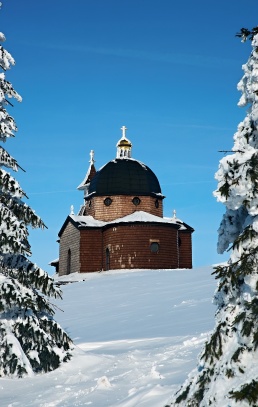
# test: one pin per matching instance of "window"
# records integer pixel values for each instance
(107, 201)
(136, 201)
(154, 247)
(157, 203)
(107, 259)
(68, 271)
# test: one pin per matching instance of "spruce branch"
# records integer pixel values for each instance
(246, 34)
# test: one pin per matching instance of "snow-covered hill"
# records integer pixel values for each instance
(137, 336)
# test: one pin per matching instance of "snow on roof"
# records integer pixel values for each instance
(137, 216)
(177, 221)
(141, 216)
(85, 179)
(54, 262)
(87, 221)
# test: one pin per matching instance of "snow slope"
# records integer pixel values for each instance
(137, 336)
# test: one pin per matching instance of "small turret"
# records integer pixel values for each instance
(84, 185)
(124, 146)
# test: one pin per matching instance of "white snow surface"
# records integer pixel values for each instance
(137, 335)
(137, 216)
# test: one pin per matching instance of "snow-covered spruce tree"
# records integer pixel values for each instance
(227, 372)
(30, 339)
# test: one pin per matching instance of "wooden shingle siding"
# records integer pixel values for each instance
(91, 250)
(121, 205)
(69, 240)
(185, 249)
(129, 246)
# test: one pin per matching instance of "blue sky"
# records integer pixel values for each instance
(166, 70)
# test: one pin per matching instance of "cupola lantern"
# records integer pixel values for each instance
(124, 146)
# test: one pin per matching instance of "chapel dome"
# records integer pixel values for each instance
(124, 176)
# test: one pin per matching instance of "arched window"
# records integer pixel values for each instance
(68, 262)
(107, 259)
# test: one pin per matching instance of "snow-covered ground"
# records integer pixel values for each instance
(137, 336)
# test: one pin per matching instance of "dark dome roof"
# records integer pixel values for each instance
(124, 177)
